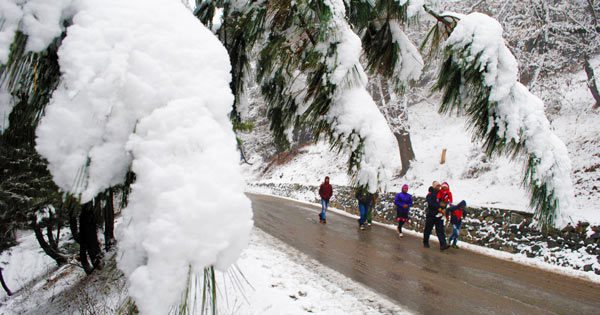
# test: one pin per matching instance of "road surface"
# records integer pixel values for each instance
(423, 280)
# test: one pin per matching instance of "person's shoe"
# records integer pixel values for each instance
(401, 235)
(444, 247)
(362, 227)
(324, 221)
(454, 246)
(426, 245)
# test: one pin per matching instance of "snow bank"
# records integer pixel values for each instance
(145, 86)
(520, 114)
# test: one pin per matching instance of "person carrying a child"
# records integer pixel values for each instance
(433, 218)
(456, 213)
(444, 197)
(403, 202)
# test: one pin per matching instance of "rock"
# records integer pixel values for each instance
(508, 249)
(568, 229)
(587, 267)
(552, 243)
(515, 218)
(581, 227)
(595, 236)
(498, 220)
(535, 248)
(530, 254)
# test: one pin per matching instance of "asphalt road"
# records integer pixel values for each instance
(423, 280)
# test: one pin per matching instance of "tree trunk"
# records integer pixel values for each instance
(49, 250)
(592, 84)
(73, 224)
(407, 155)
(4, 286)
(88, 239)
(109, 221)
(397, 117)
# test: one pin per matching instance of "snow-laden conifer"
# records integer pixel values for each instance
(145, 87)
(479, 79)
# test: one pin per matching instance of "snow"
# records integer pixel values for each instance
(411, 65)
(270, 277)
(41, 20)
(520, 114)
(146, 86)
(354, 116)
(23, 263)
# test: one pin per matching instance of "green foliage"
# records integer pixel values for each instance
(463, 91)
(26, 188)
(30, 78)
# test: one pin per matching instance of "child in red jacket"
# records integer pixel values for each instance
(444, 197)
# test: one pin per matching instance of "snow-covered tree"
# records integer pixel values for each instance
(141, 87)
(308, 56)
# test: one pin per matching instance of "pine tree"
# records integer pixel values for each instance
(293, 44)
(307, 57)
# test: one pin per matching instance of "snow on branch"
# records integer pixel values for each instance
(480, 78)
(145, 87)
(353, 114)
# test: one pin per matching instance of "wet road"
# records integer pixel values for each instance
(423, 280)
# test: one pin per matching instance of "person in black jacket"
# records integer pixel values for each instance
(364, 198)
(433, 218)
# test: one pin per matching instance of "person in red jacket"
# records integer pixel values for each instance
(444, 197)
(325, 191)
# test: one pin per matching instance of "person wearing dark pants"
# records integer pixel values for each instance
(403, 202)
(433, 218)
(364, 198)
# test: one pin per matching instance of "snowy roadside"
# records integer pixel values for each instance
(278, 280)
(538, 261)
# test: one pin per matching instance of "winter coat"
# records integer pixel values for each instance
(326, 191)
(364, 196)
(444, 196)
(432, 203)
(457, 212)
(402, 199)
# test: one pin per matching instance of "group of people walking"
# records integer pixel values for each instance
(439, 206)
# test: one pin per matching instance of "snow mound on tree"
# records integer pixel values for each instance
(145, 87)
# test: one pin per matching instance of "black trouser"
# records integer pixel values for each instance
(400, 224)
(439, 230)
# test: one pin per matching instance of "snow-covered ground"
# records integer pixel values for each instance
(278, 280)
(481, 181)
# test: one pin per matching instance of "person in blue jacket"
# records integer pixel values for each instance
(456, 213)
(403, 202)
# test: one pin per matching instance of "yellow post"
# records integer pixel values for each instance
(443, 156)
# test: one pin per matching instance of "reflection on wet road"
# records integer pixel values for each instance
(423, 280)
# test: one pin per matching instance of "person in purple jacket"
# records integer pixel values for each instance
(403, 203)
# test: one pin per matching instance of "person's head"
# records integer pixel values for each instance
(327, 179)
(435, 185)
(462, 205)
(445, 186)
(404, 188)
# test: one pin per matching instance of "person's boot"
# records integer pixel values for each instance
(444, 247)
(426, 245)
